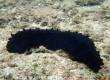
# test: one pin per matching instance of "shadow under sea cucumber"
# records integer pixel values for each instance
(73, 43)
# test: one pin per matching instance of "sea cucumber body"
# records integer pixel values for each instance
(75, 44)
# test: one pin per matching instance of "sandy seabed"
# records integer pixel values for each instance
(44, 64)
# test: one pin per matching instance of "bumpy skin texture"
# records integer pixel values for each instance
(75, 44)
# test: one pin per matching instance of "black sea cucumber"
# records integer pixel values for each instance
(75, 44)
